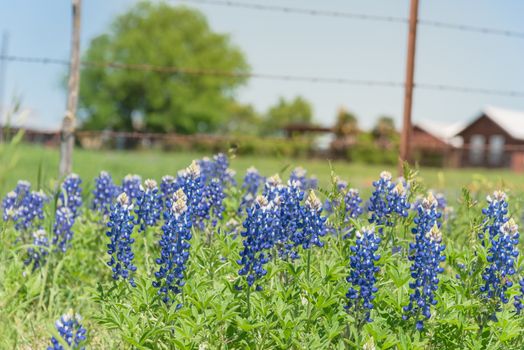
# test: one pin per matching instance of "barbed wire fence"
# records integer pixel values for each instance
(313, 79)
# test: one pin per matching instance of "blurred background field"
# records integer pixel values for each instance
(155, 164)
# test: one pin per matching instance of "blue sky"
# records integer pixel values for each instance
(303, 45)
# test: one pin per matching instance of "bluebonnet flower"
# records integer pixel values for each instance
(104, 193)
(273, 187)
(426, 256)
(30, 211)
(192, 183)
(352, 203)
(502, 254)
(36, 255)
(387, 201)
(71, 331)
(495, 215)
(12, 201)
(63, 228)
(518, 298)
(71, 193)
(362, 274)
(259, 229)
(312, 223)
(286, 202)
(215, 195)
(306, 183)
(174, 246)
(148, 205)
(131, 186)
(250, 186)
(121, 224)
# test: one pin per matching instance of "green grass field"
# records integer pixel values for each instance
(155, 164)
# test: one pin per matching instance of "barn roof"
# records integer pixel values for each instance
(510, 120)
(443, 131)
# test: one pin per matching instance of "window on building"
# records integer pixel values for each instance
(476, 151)
(496, 149)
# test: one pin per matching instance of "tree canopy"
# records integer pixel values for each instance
(160, 35)
(296, 111)
(346, 123)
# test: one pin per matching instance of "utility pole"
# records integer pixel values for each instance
(3, 69)
(405, 139)
(68, 123)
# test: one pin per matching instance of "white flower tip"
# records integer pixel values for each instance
(262, 201)
(179, 206)
(123, 199)
(510, 228)
(274, 180)
(39, 233)
(385, 175)
(193, 169)
(150, 184)
(429, 202)
(312, 201)
(252, 170)
(179, 194)
(434, 234)
(299, 171)
(399, 188)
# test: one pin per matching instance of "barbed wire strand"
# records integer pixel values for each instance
(145, 67)
(357, 16)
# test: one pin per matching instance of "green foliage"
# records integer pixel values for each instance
(160, 35)
(346, 123)
(296, 309)
(368, 150)
(296, 111)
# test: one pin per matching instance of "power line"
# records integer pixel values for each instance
(300, 78)
(358, 16)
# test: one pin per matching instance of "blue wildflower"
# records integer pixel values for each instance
(362, 274)
(387, 201)
(121, 224)
(104, 193)
(215, 194)
(71, 331)
(37, 254)
(192, 183)
(502, 254)
(258, 233)
(62, 228)
(250, 186)
(131, 186)
(174, 246)
(306, 183)
(30, 211)
(426, 256)
(518, 298)
(71, 193)
(495, 215)
(312, 223)
(148, 205)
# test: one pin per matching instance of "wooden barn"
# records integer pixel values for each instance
(494, 139)
(435, 144)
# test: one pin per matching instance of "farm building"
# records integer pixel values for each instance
(436, 144)
(494, 139)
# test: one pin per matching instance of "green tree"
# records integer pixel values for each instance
(346, 124)
(384, 128)
(296, 111)
(160, 35)
(243, 120)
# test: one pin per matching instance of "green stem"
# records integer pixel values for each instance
(248, 301)
(308, 266)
